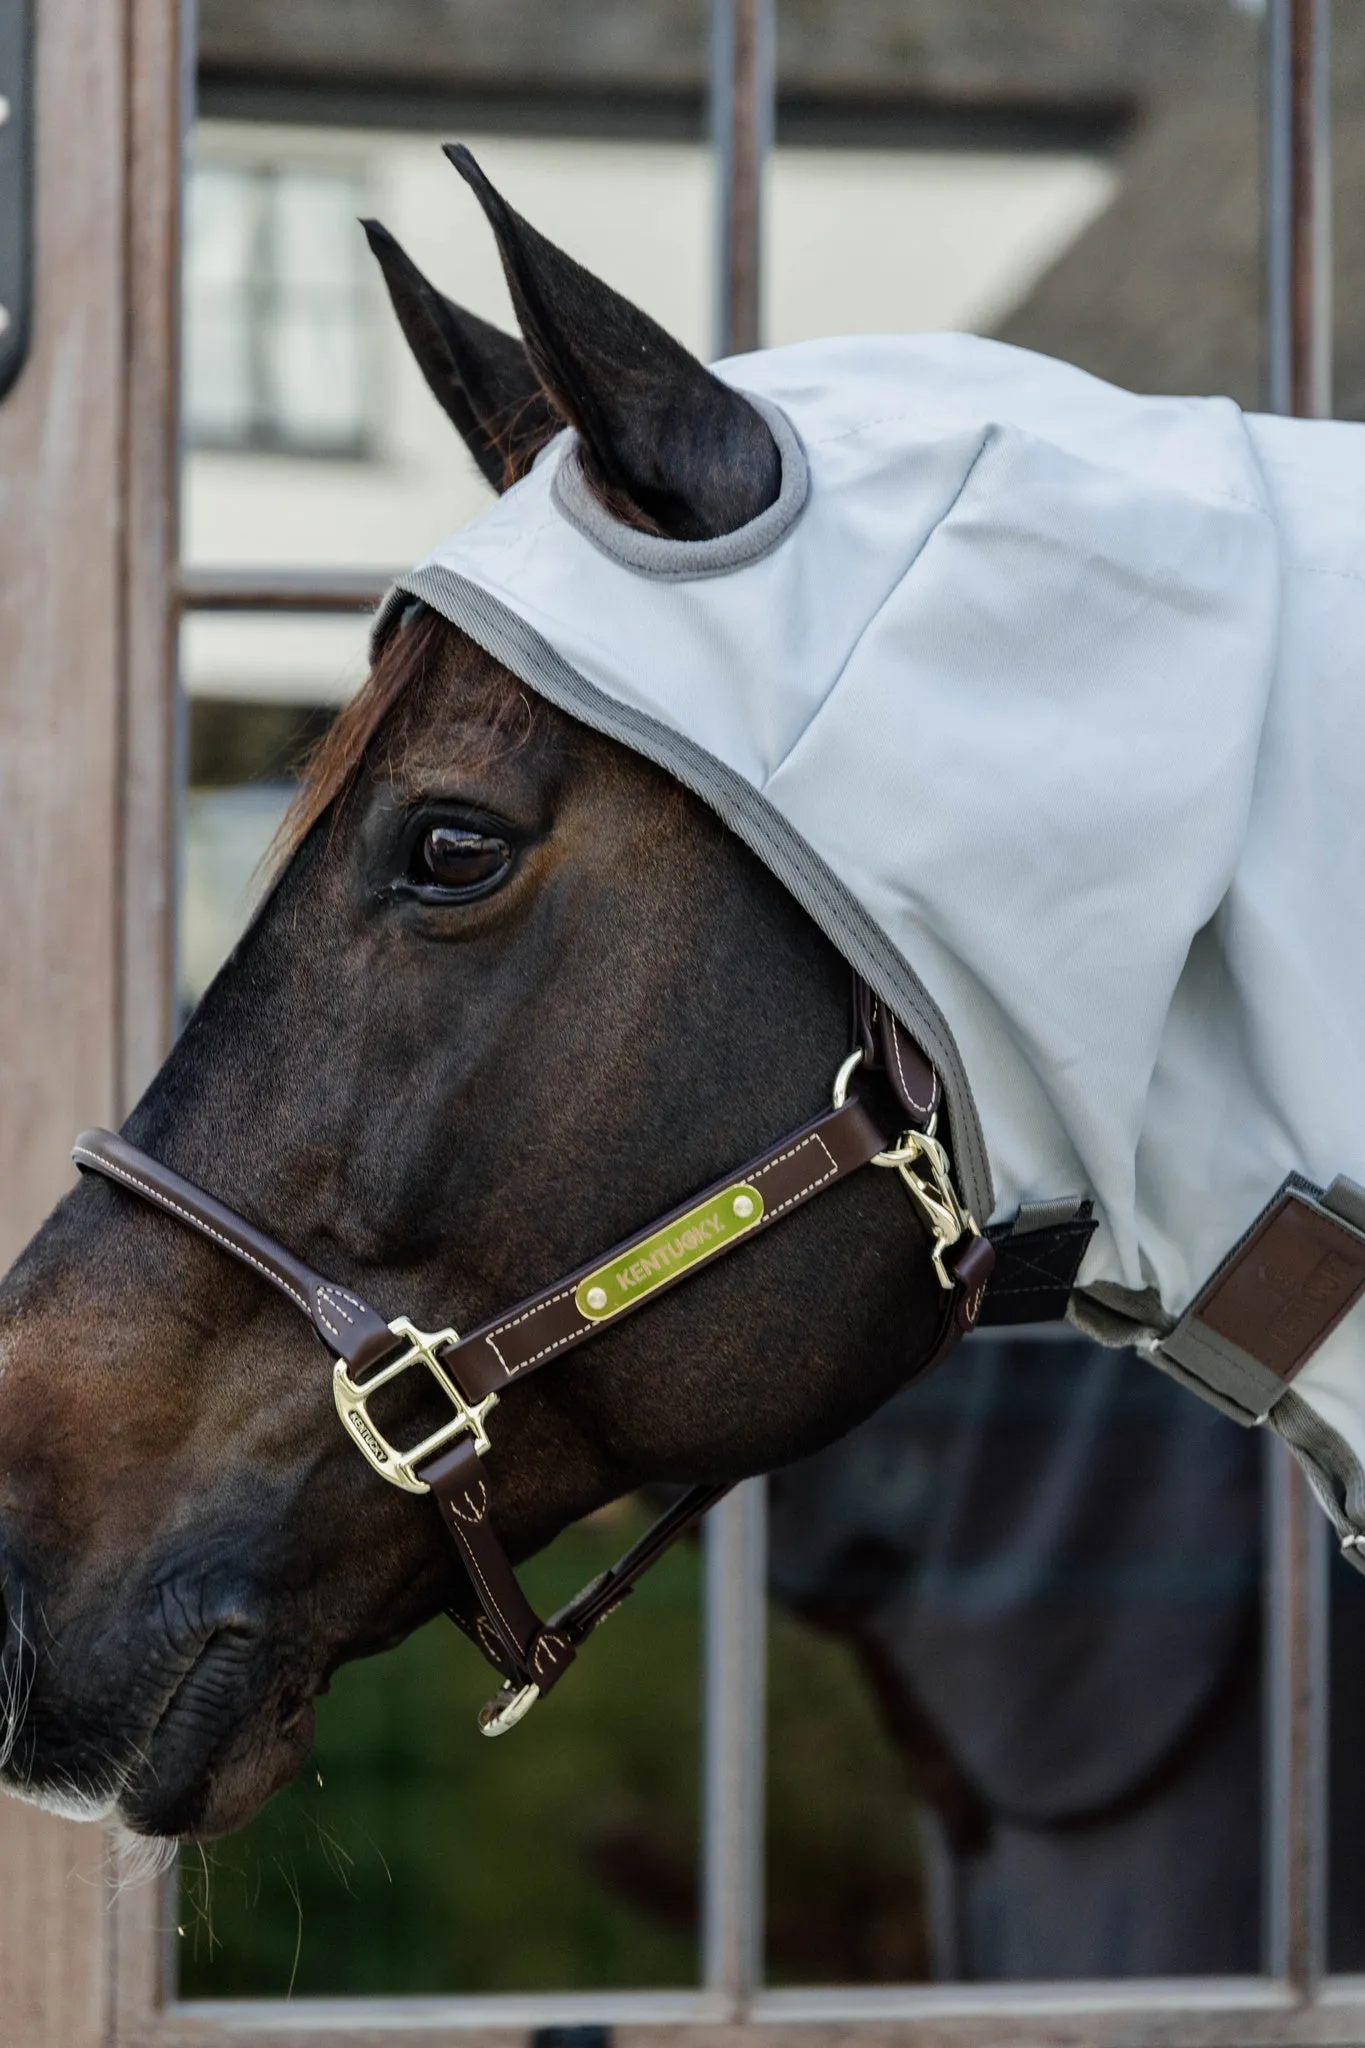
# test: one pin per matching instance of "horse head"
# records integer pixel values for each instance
(513, 990)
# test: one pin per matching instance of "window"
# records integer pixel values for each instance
(276, 339)
(1144, 264)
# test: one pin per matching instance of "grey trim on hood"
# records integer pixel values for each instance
(747, 813)
(1333, 1471)
(677, 561)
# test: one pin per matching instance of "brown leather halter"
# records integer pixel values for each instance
(473, 1372)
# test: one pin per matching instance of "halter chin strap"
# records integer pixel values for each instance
(472, 1372)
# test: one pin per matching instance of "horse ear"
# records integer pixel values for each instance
(484, 378)
(667, 445)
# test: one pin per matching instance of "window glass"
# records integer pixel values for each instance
(1014, 1707)
(276, 323)
(220, 234)
(1040, 1571)
(413, 1856)
(315, 346)
(1043, 1566)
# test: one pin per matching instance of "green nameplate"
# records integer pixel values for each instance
(689, 1241)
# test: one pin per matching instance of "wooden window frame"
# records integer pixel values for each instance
(91, 703)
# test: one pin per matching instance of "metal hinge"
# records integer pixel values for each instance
(16, 186)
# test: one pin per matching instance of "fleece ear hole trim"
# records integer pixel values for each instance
(650, 554)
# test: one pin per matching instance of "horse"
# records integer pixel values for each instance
(513, 989)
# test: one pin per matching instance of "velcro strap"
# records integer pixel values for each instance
(1276, 1297)
(1037, 1258)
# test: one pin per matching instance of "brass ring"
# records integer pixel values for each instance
(844, 1076)
(906, 1148)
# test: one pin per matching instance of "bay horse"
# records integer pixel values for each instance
(515, 989)
(512, 990)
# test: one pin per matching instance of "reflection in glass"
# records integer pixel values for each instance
(276, 348)
(219, 236)
(1044, 1565)
(1015, 1719)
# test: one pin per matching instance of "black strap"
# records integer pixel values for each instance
(1035, 1267)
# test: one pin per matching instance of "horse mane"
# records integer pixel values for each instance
(414, 661)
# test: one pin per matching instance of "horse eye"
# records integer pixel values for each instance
(453, 858)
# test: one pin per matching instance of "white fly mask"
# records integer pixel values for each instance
(1047, 703)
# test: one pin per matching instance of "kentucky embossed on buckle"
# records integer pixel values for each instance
(353, 1398)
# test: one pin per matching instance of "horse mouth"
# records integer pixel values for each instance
(224, 1740)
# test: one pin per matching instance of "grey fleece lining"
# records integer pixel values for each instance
(1331, 1467)
(743, 809)
(1333, 1471)
(650, 554)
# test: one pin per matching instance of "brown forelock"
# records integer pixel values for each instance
(416, 660)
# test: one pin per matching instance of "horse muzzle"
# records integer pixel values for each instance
(181, 1711)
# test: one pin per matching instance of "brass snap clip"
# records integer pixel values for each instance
(924, 1166)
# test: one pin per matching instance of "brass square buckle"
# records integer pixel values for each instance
(399, 1467)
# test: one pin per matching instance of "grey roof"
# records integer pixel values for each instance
(1163, 292)
(964, 47)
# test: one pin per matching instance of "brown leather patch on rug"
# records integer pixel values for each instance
(1289, 1286)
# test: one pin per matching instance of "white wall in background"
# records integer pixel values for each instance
(859, 241)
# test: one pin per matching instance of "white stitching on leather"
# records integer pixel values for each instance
(813, 1138)
(163, 1201)
(536, 1356)
(336, 1295)
(546, 1643)
(923, 1108)
(473, 1563)
(476, 1514)
(527, 1313)
(535, 1309)
(560, 1342)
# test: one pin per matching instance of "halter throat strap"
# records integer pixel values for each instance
(474, 1371)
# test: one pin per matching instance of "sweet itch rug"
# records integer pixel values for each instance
(1047, 703)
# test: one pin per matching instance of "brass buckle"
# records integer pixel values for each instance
(352, 1399)
(934, 1195)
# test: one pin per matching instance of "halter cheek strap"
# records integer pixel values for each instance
(473, 1372)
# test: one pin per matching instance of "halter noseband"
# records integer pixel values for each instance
(473, 1372)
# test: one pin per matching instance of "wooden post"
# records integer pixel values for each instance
(86, 529)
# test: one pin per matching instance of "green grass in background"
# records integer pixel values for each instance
(563, 1856)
